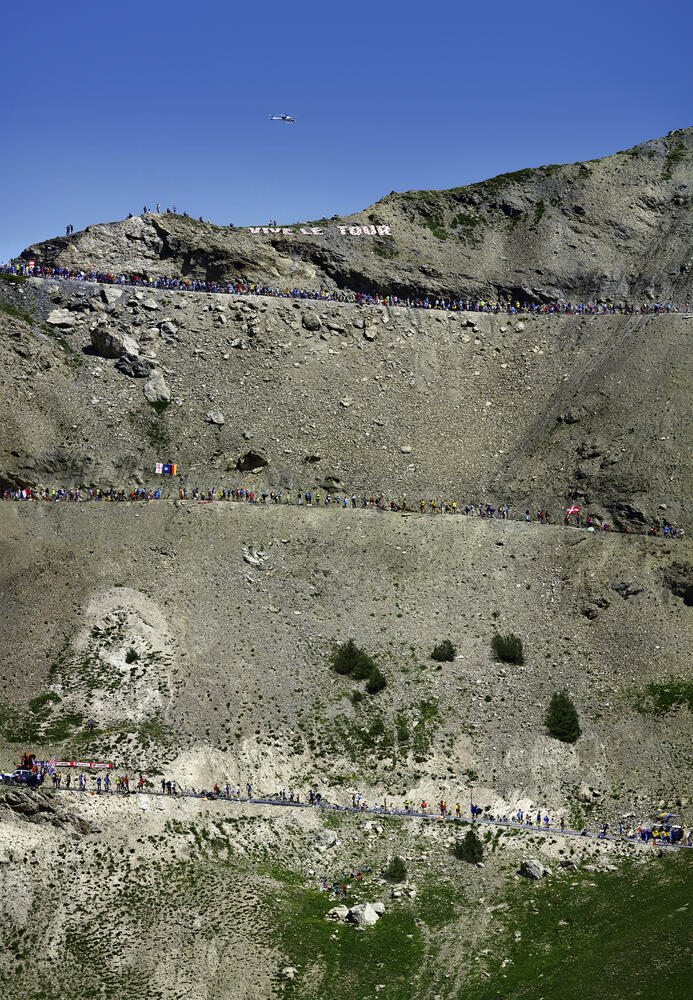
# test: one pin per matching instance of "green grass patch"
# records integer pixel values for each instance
(13, 279)
(494, 184)
(43, 701)
(391, 952)
(661, 698)
(435, 225)
(465, 221)
(383, 249)
(676, 154)
(27, 316)
(616, 934)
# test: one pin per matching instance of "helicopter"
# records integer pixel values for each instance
(282, 118)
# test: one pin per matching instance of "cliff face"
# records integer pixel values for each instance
(620, 227)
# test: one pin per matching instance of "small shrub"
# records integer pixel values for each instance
(363, 668)
(345, 657)
(469, 848)
(508, 648)
(132, 656)
(396, 871)
(377, 728)
(444, 652)
(357, 695)
(562, 719)
(376, 682)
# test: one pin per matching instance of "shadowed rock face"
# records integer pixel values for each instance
(619, 227)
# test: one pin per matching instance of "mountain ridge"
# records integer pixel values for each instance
(620, 227)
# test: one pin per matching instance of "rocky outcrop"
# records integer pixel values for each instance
(40, 807)
(134, 366)
(620, 227)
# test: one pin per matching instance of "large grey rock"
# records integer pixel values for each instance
(363, 915)
(113, 343)
(150, 303)
(61, 317)
(215, 417)
(110, 294)
(339, 913)
(532, 869)
(156, 390)
(327, 837)
(379, 908)
(168, 328)
(311, 321)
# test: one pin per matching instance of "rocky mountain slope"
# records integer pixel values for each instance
(174, 899)
(198, 638)
(266, 394)
(151, 620)
(617, 228)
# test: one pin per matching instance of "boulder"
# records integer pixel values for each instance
(363, 915)
(110, 295)
(168, 328)
(215, 417)
(327, 837)
(61, 317)
(584, 793)
(134, 367)
(113, 344)
(156, 390)
(311, 321)
(379, 908)
(289, 972)
(532, 869)
(339, 913)
(370, 333)
(150, 303)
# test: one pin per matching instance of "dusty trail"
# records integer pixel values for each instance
(379, 811)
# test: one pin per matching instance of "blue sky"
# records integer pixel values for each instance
(107, 107)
